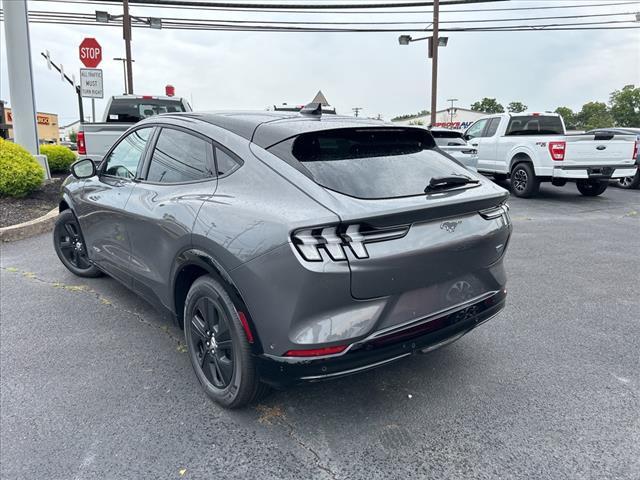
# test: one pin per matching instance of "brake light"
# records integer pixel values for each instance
(557, 150)
(635, 150)
(334, 240)
(147, 97)
(82, 147)
(316, 352)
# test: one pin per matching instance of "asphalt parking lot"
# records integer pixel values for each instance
(95, 385)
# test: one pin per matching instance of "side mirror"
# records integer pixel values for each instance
(467, 137)
(84, 168)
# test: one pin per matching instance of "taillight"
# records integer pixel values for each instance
(334, 240)
(316, 352)
(557, 150)
(82, 148)
(635, 150)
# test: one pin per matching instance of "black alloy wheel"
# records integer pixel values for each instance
(70, 246)
(211, 341)
(218, 346)
(524, 182)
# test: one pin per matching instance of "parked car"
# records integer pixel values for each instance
(453, 143)
(624, 182)
(73, 146)
(121, 112)
(290, 247)
(531, 148)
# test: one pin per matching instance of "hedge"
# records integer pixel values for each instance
(59, 157)
(20, 173)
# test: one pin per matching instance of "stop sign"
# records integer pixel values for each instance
(90, 52)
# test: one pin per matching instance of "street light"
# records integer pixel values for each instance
(124, 69)
(434, 43)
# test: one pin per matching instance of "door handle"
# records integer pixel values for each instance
(474, 144)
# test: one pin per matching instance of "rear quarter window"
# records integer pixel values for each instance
(371, 163)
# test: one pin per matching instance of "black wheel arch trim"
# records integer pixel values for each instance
(195, 257)
(519, 158)
(66, 203)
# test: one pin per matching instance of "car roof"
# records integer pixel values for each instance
(267, 128)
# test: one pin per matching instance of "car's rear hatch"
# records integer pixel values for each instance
(401, 240)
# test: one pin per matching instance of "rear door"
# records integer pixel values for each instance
(101, 209)
(178, 176)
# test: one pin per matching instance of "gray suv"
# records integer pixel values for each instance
(291, 247)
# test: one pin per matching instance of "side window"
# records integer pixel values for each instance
(225, 162)
(492, 128)
(476, 129)
(124, 159)
(180, 157)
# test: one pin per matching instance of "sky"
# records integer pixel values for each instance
(253, 70)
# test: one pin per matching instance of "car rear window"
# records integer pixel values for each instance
(535, 125)
(372, 163)
(448, 138)
(128, 110)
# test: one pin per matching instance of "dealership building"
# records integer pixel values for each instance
(455, 118)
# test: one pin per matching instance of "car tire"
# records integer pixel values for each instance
(629, 182)
(70, 247)
(524, 182)
(218, 347)
(591, 188)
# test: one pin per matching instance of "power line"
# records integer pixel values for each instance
(267, 28)
(343, 12)
(42, 13)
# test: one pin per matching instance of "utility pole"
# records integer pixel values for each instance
(126, 30)
(356, 111)
(452, 100)
(434, 61)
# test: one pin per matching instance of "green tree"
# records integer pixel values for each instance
(594, 115)
(516, 107)
(488, 105)
(568, 116)
(625, 106)
(73, 136)
(409, 116)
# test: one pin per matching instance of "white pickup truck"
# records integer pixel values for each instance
(122, 111)
(530, 148)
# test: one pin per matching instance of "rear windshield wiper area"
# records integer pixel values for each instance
(437, 184)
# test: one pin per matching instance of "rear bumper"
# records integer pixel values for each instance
(603, 172)
(382, 347)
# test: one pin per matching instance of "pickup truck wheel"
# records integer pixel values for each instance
(523, 181)
(591, 188)
(630, 182)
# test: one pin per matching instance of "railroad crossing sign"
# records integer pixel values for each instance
(90, 52)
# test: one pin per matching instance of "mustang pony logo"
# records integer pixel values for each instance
(450, 226)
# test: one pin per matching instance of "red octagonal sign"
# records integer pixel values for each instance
(90, 52)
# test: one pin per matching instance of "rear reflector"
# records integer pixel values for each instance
(245, 326)
(316, 352)
(82, 147)
(557, 150)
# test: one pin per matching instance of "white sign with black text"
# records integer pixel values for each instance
(91, 83)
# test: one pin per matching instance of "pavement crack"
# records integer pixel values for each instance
(181, 347)
(275, 415)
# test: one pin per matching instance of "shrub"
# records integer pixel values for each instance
(20, 173)
(60, 158)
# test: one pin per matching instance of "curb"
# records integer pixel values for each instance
(29, 229)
